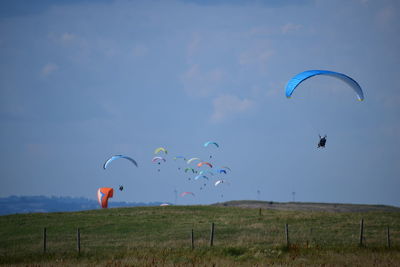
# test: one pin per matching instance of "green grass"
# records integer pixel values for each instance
(146, 236)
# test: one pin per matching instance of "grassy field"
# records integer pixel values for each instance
(148, 236)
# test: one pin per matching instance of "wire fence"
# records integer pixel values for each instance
(212, 234)
(124, 230)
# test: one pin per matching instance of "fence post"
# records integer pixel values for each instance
(287, 235)
(388, 237)
(44, 239)
(259, 212)
(361, 232)
(212, 235)
(78, 240)
(192, 238)
(310, 238)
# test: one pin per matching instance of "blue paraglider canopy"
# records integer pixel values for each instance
(299, 78)
(118, 157)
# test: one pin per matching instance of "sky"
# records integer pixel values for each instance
(81, 81)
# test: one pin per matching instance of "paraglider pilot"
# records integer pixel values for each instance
(322, 141)
(121, 187)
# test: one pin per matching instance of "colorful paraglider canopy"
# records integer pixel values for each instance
(211, 142)
(190, 169)
(299, 78)
(200, 176)
(157, 159)
(180, 157)
(186, 193)
(222, 171)
(103, 194)
(204, 172)
(108, 161)
(164, 204)
(204, 163)
(160, 149)
(192, 159)
(220, 182)
(226, 168)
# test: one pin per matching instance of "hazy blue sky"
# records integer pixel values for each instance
(83, 80)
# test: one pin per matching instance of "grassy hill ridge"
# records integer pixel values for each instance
(148, 236)
(308, 206)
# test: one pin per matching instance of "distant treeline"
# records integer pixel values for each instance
(29, 204)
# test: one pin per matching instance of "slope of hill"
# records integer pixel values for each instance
(308, 206)
(150, 236)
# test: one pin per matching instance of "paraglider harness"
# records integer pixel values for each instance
(322, 141)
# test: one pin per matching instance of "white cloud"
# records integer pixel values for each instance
(254, 56)
(37, 149)
(386, 16)
(193, 46)
(14, 110)
(67, 37)
(202, 83)
(392, 101)
(290, 27)
(63, 38)
(139, 50)
(262, 31)
(71, 40)
(48, 69)
(228, 105)
(274, 89)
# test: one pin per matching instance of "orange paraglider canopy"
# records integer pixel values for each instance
(103, 194)
(204, 163)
